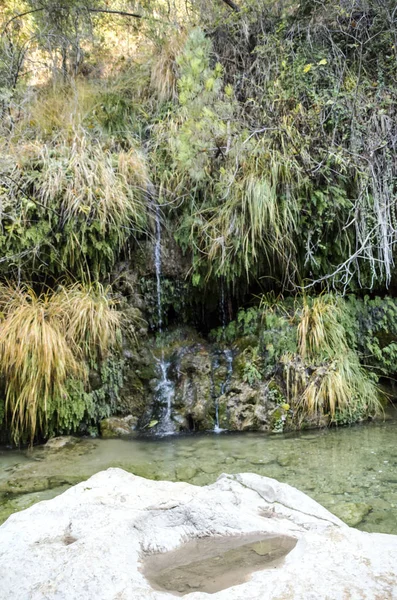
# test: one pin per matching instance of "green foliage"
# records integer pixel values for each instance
(175, 299)
(325, 379)
(72, 206)
(376, 332)
(204, 109)
(252, 365)
(278, 337)
(84, 409)
(312, 347)
(258, 135)
(268, 137)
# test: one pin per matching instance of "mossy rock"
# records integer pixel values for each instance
(352, 513)
(114, 427)
(25, 485)
(6, 510)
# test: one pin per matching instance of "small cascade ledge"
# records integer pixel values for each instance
(90, 541)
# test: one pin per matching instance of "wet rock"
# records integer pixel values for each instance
(211, 468)
(174, 263)
(247, 407)
(203, 479)
(391, 497)
(193, 398)
(21, 502)
(31, 484)
(351, 513)
(139, 369)
(118, 426)
(115, 519)
(379, 504)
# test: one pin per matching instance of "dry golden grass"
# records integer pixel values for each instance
(89, 319)
(88, 180)
(88, 186)
(256, 220)
(325, 380)
(164, 74)
(44, 340)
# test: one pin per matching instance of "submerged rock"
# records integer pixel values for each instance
(62, 441)
(186, 473)
(95, 539)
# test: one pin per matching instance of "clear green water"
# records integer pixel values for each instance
(335, 467)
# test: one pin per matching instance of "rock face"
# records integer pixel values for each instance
(209, 388)
(92, 541)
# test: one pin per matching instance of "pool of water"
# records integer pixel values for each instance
(213, 564)
(351, 471)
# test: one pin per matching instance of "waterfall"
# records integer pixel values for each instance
(226, 354)
(228, 357)
(157, 264)
(223, 304)
(165, 389)
(165, 392)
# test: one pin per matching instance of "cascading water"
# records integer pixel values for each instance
(165, 392)
(222, 304)
(157, 264)
(227, 355)
(165, 389)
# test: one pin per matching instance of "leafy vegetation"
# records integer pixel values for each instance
(311, 348)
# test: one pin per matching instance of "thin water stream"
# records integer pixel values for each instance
(165, 389)
(227, 355)
(351, 471)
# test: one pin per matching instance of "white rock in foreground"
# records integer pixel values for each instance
(87, 543)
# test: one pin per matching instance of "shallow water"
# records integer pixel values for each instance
(215, 563)
(336, 467)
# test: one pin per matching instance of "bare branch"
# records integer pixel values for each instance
(28, 12)
(115, 12)
(90, 10)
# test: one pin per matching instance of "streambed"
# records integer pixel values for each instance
(351, 471)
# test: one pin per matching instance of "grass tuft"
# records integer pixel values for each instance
(325, 380)
(45, 340)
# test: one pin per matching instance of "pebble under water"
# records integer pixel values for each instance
(351, 471)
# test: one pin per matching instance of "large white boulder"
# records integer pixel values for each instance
(88, 543)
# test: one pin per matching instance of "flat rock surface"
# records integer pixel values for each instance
(89, 543)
